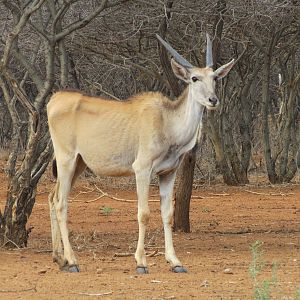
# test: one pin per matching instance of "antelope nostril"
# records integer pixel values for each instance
(213, 100)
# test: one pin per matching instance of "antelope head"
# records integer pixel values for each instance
(202, 81)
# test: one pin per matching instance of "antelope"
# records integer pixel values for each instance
(146, 135)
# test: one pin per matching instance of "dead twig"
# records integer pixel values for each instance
(80, 193)
(203, 197)
(219, 195)
(128, 254)
(197, 197)
(19, 291)
(152, 253)
(104, 194)
(112, 197)
(269, 194)
(93, 200)
(123, 254)
(9, 241)
(94, 294)
(210, 197)
(71, 201)
(150, 247)
(155, 253)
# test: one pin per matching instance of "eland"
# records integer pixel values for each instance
(144, 135)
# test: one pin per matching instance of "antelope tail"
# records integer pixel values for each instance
(54, 168)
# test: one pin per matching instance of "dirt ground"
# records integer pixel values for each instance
(225, 221)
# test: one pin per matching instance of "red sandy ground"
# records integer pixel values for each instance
(224, 223)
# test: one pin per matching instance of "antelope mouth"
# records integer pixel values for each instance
(212, 106)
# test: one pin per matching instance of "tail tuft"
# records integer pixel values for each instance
(54, 168)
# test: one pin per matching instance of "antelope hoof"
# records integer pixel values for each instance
(179, 269)
(70, 269)
(74, 269)
(142, 270)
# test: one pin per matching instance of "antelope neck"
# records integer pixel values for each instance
(189, 116)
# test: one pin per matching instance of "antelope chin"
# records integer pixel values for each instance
(212, 107)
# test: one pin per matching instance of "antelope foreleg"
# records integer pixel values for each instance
(166, 184)
(142, 184)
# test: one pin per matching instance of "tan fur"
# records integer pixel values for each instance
(147, 134)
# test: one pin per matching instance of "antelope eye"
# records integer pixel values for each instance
(194, 78)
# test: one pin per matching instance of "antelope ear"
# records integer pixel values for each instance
(180, 71)
(224, 70)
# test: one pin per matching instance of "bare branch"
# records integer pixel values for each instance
(29, 66)
(20, 93)
(11, 163)
(81, 23)
(35, 5)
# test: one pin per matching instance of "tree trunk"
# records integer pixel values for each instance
(20, 201)
(289, 131)
(214, 135)
(184, 191)
(22, 190)
(270, 161)
(230, 152)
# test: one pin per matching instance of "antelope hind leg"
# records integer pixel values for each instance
(57, 252)
(66, 167)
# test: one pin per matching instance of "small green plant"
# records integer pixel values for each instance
(206, 210)
(262, 290)
(105, 210)
(298, 294)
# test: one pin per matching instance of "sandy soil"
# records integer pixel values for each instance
(224, 221)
